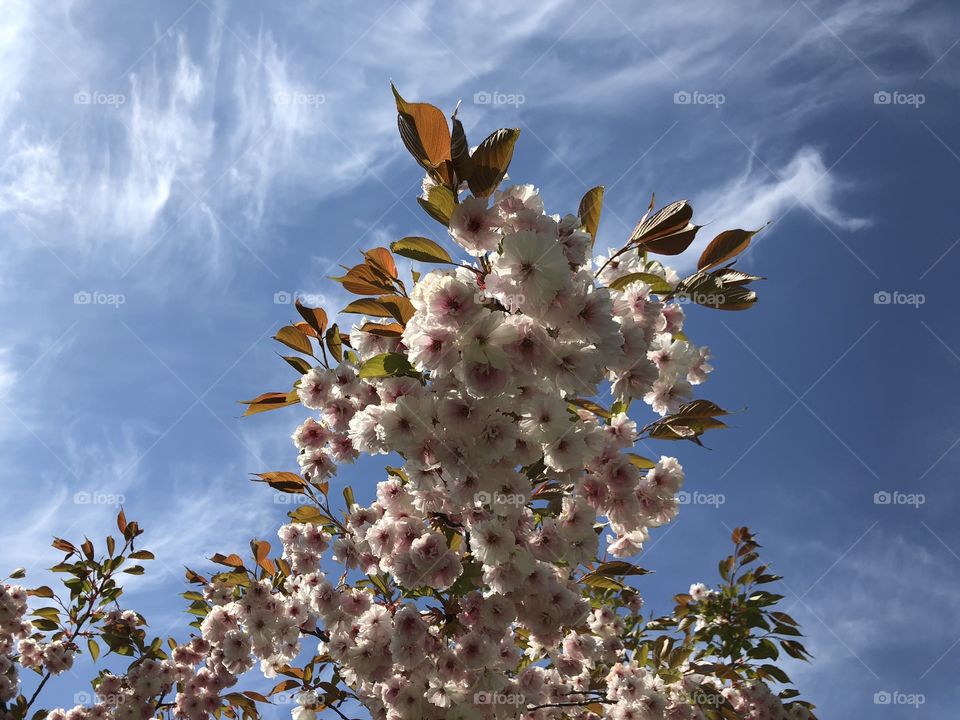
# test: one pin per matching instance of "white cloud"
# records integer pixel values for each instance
(761, 194)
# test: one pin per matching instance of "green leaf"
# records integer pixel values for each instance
(334, 343)
(308, 514)
(386, 365)
(602, 582)
(48, 612)
(641, 462)
(439, 203)
(591, 204)
(774, 672)
(657, 284)
(93, 648)
(619, 567)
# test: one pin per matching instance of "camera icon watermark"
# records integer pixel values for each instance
(284, 297)
(85, 497)
(295, 97)
(895, 697)
(695, 97)
(489, 697)
(895, 297)
(87, 97)
(485, 97)
(895, 497)
(95, 297)
(714, 500)
(896, 97)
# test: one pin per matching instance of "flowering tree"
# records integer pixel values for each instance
(491, 576)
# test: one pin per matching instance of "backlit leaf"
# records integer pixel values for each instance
(294, 338)
(439, 203)
(657, 284)
(422, 249)
(424, 131)
(315, 317)
(724, 246)
(270, 401)
(385, 365)
(491, 160)
(335, 342)
(287, 482)
(591, 204)
(667, 221)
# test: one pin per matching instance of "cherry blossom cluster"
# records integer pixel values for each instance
(503, 352)
(514, 480)
(203, 670)
(13, 628)
(639, 694)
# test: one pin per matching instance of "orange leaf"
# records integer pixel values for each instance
(269, 401)
(381, 258)
(724, 246)
(362, 280)
(294, 338)
(425, 133)
(384, 330)
(366, 306)
(316, 317)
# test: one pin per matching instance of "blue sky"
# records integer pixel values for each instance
(190, 165)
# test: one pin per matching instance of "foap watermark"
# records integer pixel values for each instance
(96, 297)
(283, 297)
(85, 497)
(701, 298)
(897, 97)
(290, 499)
(895, 497)
(699, 498)
(485, 97)
(490, 697)
(499, 498)
(895, 697)
(110, 699)
(509, 301)
(895, 297)
(695, 97)
(88, 97)
(704, 698)
(296, 97)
